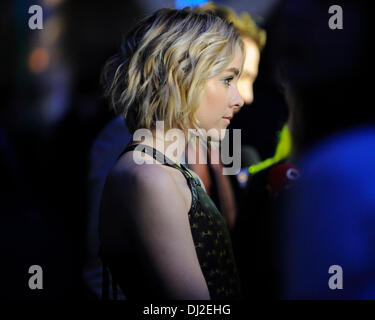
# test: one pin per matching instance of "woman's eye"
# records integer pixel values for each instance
(228, 80)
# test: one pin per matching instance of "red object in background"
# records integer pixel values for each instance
(281, 176)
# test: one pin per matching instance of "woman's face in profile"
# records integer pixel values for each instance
(221, 99)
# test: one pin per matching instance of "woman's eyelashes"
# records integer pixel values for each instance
(228, 80)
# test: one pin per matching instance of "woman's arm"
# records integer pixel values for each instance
(157, 213)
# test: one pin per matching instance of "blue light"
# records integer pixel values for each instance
(189, 3)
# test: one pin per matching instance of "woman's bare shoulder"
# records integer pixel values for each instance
(126, 171)
(131, 184)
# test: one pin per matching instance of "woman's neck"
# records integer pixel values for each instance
(171, 143)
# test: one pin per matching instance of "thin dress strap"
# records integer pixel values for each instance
(160, 157)
(163, 159)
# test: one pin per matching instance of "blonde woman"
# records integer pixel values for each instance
(161, 235)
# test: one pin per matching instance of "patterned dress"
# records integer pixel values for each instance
(210, 235)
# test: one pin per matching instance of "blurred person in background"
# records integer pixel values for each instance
(326, 227)
(218, 185)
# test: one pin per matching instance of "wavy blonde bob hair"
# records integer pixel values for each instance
(164, 65)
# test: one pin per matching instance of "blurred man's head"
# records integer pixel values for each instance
(254, 39)
(249, 71)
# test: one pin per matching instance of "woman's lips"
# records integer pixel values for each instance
(227, 119)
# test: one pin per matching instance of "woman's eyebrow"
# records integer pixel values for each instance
(234, 70)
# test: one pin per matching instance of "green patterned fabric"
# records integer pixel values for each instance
(211, 239)
(212, 243)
